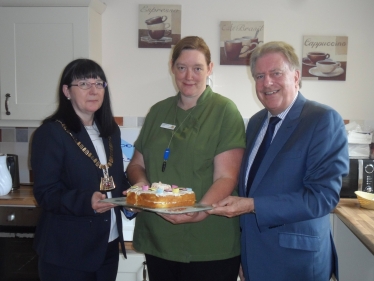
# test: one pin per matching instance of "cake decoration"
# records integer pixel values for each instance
(161, 195)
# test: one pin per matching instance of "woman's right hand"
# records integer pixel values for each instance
(100, 207)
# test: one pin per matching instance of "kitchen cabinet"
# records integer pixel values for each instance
(355, 260)
(132, 268)
(36, 44)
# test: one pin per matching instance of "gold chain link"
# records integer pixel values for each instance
(88, 153)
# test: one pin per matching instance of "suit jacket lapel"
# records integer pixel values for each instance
(251, 135)
(289, 124)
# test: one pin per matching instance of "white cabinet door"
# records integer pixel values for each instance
(131, 269)
(356, 262)
(36, 44)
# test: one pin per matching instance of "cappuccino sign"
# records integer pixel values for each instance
(324, 58)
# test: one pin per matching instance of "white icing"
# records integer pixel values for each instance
(138, 190)
(160, 185)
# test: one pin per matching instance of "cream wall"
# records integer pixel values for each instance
(140, 77)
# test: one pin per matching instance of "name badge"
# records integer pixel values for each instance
(167, 126)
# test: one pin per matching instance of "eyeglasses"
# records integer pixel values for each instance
(85, 85)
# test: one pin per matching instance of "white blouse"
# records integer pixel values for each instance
(97, 141)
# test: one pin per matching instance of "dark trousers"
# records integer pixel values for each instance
(107, 271)
(219, 270)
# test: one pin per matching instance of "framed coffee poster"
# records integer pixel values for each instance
(324, 58)
(238, 39)
(159, 25)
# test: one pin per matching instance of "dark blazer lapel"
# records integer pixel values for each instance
(285, 131)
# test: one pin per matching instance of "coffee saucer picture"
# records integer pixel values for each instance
(150, 40)
(159, 26)
(314, 71)
(308, 62)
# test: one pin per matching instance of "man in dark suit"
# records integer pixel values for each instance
(288, 187)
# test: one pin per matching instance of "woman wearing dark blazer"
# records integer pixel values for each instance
(77, 236)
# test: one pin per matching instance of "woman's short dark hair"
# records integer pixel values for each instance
(191, 43)
(83, 69)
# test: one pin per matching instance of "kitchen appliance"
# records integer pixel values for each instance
(18, 260)
(5, 178)
(359, 178)
(12, 163)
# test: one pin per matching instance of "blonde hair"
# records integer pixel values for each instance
(276, 47)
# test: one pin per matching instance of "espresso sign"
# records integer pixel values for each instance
(159, 25)
(238, 40)
(324, 58)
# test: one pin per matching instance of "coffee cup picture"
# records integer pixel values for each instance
(238, 40)
(158, 30)
(324, 58)
(158, 19)
(327, 66)
(249, 41)
(159, 25)
(317, 56)
(235, 48)
(246, 40)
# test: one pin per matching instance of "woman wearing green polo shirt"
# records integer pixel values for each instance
(206, 147)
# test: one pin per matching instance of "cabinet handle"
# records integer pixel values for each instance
(11, 217)
(144, 271)
(7, 96)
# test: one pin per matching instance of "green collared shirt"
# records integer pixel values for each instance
(212, 127)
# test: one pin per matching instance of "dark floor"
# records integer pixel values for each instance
(18, 261)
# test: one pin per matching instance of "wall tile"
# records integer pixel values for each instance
(31, 133)
(22, 135)
(7, 147)
(119, 121)
(8, 135)
(140, 121)
(130, 122)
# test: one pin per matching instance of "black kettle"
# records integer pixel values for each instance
(12, 163)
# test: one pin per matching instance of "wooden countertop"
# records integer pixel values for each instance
(360, 221)
(22, 197)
